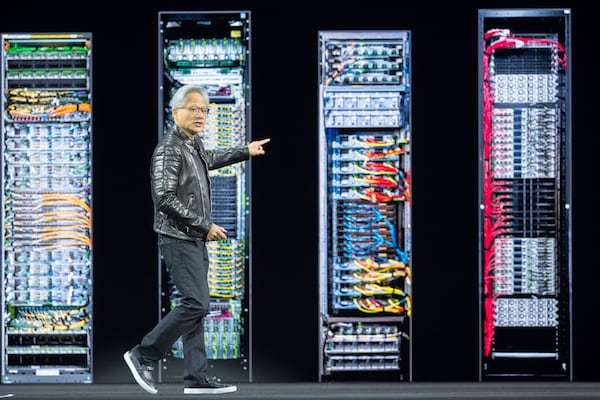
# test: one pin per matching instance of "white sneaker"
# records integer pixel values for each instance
(142, 373)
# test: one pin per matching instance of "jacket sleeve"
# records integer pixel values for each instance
(165, 166)
(223, 157)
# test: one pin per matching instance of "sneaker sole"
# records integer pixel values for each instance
(228, 389)
(136, 375)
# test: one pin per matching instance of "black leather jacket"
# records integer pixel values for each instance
(181, 185)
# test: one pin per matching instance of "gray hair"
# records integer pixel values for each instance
(178, 99)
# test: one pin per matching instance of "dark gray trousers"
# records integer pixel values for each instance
(187, 262)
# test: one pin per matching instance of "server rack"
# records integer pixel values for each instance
(213, 49)
(364, 205)
(47, 208)
(525, 193)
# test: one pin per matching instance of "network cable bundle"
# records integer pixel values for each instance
(364, 257)
(525, 194)
(212, 49)
(47, 210)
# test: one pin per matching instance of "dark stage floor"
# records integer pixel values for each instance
(320, 391)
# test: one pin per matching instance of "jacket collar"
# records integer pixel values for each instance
(177, 131)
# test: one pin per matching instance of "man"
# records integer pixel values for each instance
(182, 219)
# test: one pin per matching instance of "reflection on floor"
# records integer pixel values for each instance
(320, 391)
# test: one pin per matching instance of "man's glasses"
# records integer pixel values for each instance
(195, 110)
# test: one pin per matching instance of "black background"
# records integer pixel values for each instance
(284, 195)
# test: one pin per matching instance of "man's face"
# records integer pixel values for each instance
(192, 116)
